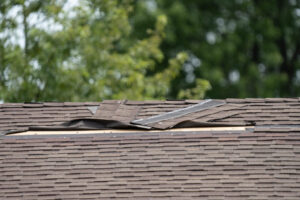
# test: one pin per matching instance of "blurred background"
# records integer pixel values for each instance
(90, 50)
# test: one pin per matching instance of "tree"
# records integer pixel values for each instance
(80, 52)
(243, 48)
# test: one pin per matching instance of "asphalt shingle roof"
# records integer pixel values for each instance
(158, 166)
(259, 163)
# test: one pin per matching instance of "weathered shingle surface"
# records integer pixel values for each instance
(223, 165)
(259, 163)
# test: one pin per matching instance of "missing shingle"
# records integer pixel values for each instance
(93, 109)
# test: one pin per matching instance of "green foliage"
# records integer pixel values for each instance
(246, 48)
(86, 52)
(152, 49)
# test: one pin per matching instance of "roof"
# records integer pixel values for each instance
(233, 112)
(262, 162)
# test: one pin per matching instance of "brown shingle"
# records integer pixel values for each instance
(186, 165)
(262, 163)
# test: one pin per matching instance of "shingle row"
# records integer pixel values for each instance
(184, 165)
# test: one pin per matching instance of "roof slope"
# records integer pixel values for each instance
(258, 163)
(261, 112)
(221, 165)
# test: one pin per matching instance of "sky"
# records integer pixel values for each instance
(35, 19)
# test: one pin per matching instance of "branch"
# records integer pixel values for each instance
(295, 54)
(25, 31)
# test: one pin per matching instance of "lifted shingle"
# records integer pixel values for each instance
(180, 112)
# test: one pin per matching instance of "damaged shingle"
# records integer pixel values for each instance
(155, 114)
(207, 104)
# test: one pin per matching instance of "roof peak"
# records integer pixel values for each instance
(188, 113)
